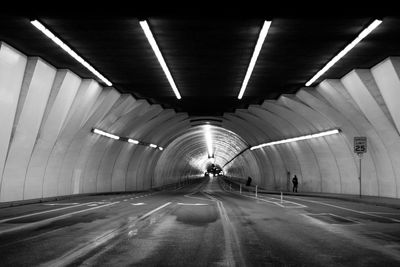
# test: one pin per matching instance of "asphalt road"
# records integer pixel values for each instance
(202, 224)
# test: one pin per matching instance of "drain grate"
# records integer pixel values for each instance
(331, 218)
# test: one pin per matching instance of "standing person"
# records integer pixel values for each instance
(295, 183)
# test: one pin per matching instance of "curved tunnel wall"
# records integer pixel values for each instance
(47, 148)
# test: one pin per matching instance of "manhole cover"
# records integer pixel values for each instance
(331, 218)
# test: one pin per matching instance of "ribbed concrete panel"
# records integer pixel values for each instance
(387, 77)
(105, 170)
(160, 136)
(281, 129)
(62, 94)
(362, 87)
(100, 148)
(150, 132)
(277, 164)
(314, 122)
(36, 88)
(251, 162)
(311, 179)
(340, 145)
(123, 126)
(267, 178)
(335, 93)
(71, 174)
(139, 151)
(85, 98)
(12, 69)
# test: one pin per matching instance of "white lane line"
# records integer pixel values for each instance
(192, 204)
(379, 212)
(275, 202)
(138, 204)
(343, 208)
(42, 212)
(49, 220)
(60, 204)
(152, 211)
(232, 245)
(78, 252)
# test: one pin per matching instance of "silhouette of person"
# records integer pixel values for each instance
(295, 183)
(248, 181)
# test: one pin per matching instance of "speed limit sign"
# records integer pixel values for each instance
(360, 145)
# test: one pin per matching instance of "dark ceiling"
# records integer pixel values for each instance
(207, 53)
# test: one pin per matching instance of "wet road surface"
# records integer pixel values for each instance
(202, 224)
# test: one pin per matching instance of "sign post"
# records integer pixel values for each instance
(360, 147)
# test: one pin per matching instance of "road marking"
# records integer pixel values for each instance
(81, 251)
(60, 204)
(138, 204)
(280, 203)
(49, 220)
(42, 212)
(152, 211)
(343, 208)
(192, 204)
(232, 245)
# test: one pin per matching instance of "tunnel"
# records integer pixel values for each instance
(49, 149)
(66, 136)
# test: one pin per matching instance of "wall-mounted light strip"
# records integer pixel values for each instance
(157, 52)
(67, 49)
(207, 133)
(136, 142)
(342, 53)
(257, 49)
(125, 139)
(304, 137)
(100, 132)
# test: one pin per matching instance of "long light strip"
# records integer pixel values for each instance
(304, 137)
(257, 50)
(133, 141)
(154, 46)
(67, 49)
(207, 132)
(129, 140)
(100, 132)
(342, 53)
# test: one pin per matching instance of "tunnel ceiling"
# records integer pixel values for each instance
(207, 50)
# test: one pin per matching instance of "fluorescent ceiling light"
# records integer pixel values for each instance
(154, 46)
(207, 132)
(257, 49)
(100, 132)
(304, 137)
(153, 145)
(342, 53)
(67, 49)
(133, 141)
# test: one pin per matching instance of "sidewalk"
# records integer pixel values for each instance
(373, 200)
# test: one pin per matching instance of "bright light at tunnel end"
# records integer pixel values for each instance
(67, 49)
(207, 133)
(295, 139)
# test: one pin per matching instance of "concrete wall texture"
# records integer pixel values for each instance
(47, 148)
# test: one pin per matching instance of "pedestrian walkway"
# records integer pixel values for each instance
(373, 200)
